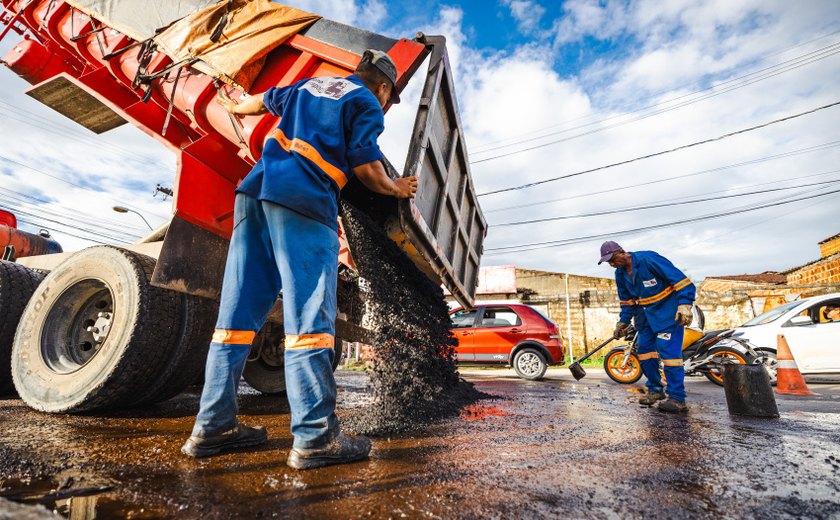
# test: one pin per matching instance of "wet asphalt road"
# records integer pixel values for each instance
(551, 449)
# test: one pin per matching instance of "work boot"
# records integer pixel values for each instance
(671, 405)
(240, 436)
(650, 398)
(338, 451)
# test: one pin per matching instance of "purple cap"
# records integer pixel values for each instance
(608, 249)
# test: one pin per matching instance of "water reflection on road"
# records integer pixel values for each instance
(556, 448)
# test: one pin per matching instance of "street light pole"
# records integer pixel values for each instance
(122, 209)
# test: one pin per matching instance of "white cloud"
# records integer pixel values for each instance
(675, 47)
(527, 14)
(368, 15)
(602, 20)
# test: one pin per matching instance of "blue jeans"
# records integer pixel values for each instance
(273, 247)
(665, 345)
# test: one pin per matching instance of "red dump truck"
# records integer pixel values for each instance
(113, 327)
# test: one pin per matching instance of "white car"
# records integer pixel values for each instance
(814, 339)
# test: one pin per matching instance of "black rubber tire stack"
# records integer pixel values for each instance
(185, 362)
(144, 332)
(17, 283)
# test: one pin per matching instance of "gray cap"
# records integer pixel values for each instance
(384, 63)
(608, 249)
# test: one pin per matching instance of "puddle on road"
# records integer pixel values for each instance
(71, 499)
(538, 451)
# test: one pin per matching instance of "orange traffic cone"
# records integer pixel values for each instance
(788, 378)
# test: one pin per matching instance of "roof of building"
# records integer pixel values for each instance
(829, 239)
(767, 277)
(829, 258)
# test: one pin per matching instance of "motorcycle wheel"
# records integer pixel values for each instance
(620, 372)
(720, 354)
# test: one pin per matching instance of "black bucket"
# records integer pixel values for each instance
(748, 391)
(577, 371)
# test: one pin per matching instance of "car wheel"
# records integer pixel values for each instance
(529, 364)
(768, 359)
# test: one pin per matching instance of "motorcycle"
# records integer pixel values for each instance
(703, 353)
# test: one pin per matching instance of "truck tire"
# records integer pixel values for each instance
(95, 333)
(185, 362)
(17, 283)
(264, 371)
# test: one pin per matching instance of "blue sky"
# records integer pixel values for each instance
(587, 84)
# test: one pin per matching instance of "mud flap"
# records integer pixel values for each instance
(191, 261)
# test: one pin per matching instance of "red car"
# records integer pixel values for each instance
(508, 333)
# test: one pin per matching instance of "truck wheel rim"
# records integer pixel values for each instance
(77, 326)
(529, 364)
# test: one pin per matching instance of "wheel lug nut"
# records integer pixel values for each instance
(93, 329)
(105, 315)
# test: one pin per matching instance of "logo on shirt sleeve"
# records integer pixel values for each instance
(332, 88)
(649, 283)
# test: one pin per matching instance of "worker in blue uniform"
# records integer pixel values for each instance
(285, 236)
(658, 298)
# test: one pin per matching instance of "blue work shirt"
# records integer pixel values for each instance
(655, 288)
(328, 126)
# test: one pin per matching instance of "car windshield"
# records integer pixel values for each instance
(771, 315)
(462, 319)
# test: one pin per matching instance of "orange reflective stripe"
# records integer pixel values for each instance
(658, 296)
(627, 303)
(308, 341)
(648, 355)
(307, 150)
(672, 362)
(685, 282)
(234, 337)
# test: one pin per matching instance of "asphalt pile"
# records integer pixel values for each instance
(415, 379)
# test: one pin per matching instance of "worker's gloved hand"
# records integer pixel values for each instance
(684, 315)
(620, 330)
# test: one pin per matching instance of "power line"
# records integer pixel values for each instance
(790, 153)
(90, 232)
(33, 224)
(13, 161)
(664, 152)
(663, 204)
(32, 119)
(762, 221)
(68, 220)
(490, 145)
(48, 207)
(639, 114)
(557, 243)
